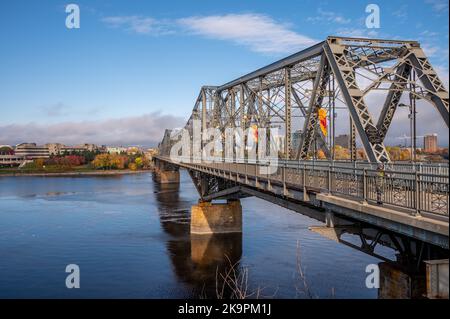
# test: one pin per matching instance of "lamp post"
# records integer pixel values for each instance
(412, 127)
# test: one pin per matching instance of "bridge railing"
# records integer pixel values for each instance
(413, 190)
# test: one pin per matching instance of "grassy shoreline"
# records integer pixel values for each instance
(81, 172)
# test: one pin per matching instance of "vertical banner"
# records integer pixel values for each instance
(323, 121)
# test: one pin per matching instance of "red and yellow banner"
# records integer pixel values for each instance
(323, 121)
(254, 129)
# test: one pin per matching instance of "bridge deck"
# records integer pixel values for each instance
(418, 200)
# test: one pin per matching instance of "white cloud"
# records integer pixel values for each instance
(258, 32)
(146, 130)
(442, 72)
(440, 6)
(329, 17)
(357, 32)
(430, 50)
(428, 34)
(401, 14)
(138, 24)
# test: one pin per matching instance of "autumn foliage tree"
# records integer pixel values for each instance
(341, 153)
(66, 161)
(142, 162)
(360, 154)
(110, 161)
(321, 154)
(39, 162)
(398, 154)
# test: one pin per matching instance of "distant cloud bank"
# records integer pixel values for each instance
(146, 130)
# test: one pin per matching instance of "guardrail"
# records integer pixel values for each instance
(415, 191)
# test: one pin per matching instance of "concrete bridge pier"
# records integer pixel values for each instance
(168, 177)
(395, 283)
(216, 218)
(165, 173)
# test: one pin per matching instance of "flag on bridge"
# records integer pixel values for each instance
(254, 129)
(323, 121)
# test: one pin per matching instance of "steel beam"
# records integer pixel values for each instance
(306, 54)
(345, 76)
(429, 78)
(287, 112)
(393, 98)
(317, 95)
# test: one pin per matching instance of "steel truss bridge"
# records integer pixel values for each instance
(402, 206)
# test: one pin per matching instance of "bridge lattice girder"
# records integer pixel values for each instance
(297, 86)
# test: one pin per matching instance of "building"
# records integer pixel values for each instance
(342, 140)
(31, 151)
(6, 150)
(430, 144)
(133, 150)
(8, 158)
(72, 149)
(54, 148)
(11, 160)
(116, 149)
(61, 149)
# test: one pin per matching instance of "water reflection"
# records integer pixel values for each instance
(201, 261)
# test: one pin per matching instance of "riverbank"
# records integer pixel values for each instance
(76, 173)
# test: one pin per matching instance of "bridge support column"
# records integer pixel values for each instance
(209, 218)
(397, 284)
(165, 174)
(167, 177)
(437, 278)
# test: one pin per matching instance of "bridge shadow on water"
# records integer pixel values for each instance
(200, 261)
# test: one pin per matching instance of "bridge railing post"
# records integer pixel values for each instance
(304, 176)
(364, 184)
(329, 178)
(416, 193)
(246, 175)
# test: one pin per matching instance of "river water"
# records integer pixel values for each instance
(130, 239)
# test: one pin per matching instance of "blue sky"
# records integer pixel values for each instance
(131, 59)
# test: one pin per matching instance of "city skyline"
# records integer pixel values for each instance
(108, 82)
(338, 141)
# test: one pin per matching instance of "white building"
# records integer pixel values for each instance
(31, 151)
(116, 149)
